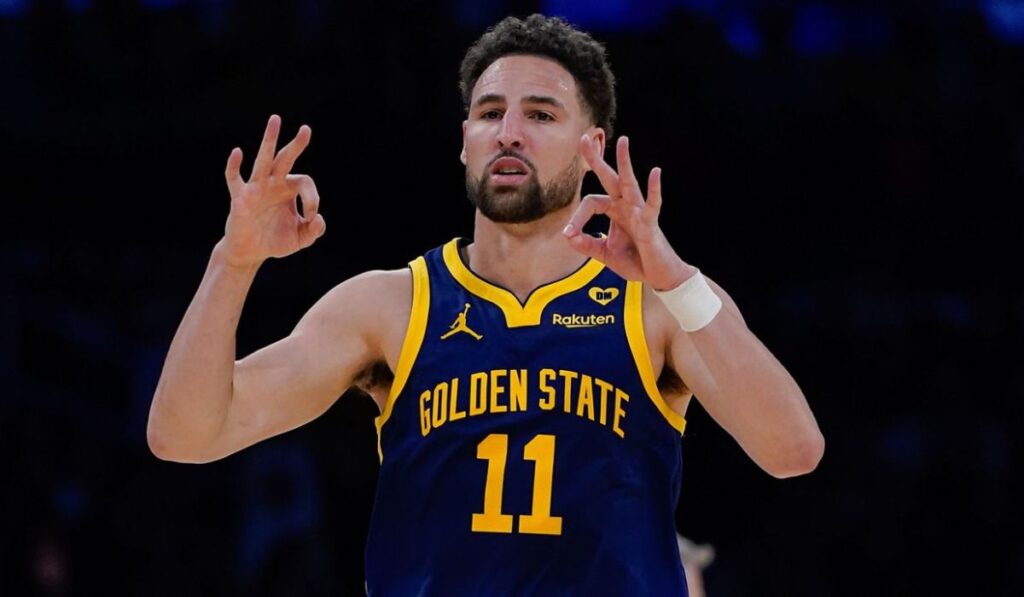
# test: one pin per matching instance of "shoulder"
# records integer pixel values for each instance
(371, 305)
(375, 291)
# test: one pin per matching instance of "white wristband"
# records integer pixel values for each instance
(692, 303)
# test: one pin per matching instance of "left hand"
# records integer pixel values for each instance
(635, 247)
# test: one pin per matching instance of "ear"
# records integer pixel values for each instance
(462, 156)
(597, 133)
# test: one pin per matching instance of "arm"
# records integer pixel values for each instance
(206, 405)
(740, 383)
(745, 389)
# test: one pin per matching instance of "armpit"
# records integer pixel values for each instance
(376, 381)
(670, 384)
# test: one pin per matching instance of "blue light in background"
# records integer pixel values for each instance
(70, 500)
(79, 6)
(475, 15)
(12, 8)
(741, 34)
(1005, 19)
(953, 309)
(904, 444)
(817, 31)
(610, 15)
(161, 4)
(868, 31)
(700, 7)
(213, 15)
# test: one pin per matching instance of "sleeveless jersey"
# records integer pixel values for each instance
(525, 448)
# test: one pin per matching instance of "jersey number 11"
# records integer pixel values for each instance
(540, 449)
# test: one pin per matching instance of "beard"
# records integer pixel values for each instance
(529, 201)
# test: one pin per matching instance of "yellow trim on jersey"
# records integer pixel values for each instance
(413, 340)
(517, 314)
(634, 318)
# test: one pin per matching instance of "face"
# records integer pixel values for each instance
(521, 139)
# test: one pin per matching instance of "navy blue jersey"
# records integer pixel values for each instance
(525, 448)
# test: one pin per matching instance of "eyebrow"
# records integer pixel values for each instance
(489, 98)
(543, 99)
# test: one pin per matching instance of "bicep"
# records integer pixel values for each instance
(296, 379)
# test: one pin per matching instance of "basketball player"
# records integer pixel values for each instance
(526, 447)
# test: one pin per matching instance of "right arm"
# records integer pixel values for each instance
(207, 405)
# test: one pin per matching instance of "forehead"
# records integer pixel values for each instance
(518, 76)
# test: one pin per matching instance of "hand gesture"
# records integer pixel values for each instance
(635, 247)
(264, 220)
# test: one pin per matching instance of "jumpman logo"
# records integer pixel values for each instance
(459, 325)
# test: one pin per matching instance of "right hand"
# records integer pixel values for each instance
(264, 220)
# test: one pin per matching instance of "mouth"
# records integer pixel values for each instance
(508, 171)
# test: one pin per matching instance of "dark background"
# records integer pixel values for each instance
(847, 171)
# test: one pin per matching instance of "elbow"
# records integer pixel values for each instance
(171, 451)
(800, 458)
(169, 440)
(160, 447)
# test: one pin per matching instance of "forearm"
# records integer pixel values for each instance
(194, 393)
(738, 380)
(756, 398)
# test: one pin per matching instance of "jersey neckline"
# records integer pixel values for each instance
(517, 314)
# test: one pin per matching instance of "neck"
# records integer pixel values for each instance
(522, 257)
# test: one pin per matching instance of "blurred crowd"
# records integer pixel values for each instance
(854, 201)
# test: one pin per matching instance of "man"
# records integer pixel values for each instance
(525, 445)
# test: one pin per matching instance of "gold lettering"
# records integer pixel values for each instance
(455, 413)
(620, 397)
(568, 376)
(497, 390)
(477, 394)
(517, 390)
(546, 376)
(586, 397)
(440, 404)
(425, 413)
(602, 412)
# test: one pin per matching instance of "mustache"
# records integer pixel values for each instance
(508, 153)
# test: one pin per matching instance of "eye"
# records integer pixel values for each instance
(543, 116)
(491, 115)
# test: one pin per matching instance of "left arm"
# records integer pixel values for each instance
(738, 381)
(746, 390)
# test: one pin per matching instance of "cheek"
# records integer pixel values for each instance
(475, 147)
(556, 161)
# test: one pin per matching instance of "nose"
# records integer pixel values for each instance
(511, 132)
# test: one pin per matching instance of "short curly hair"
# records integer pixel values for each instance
(551, 37)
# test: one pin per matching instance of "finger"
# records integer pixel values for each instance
(654, 191)
(312, 230)
(285, 159)
(304, 186)
(605, 173)
(588, 245)
(265, 157)
(590, 205)
(627, 178)
(232, 173)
